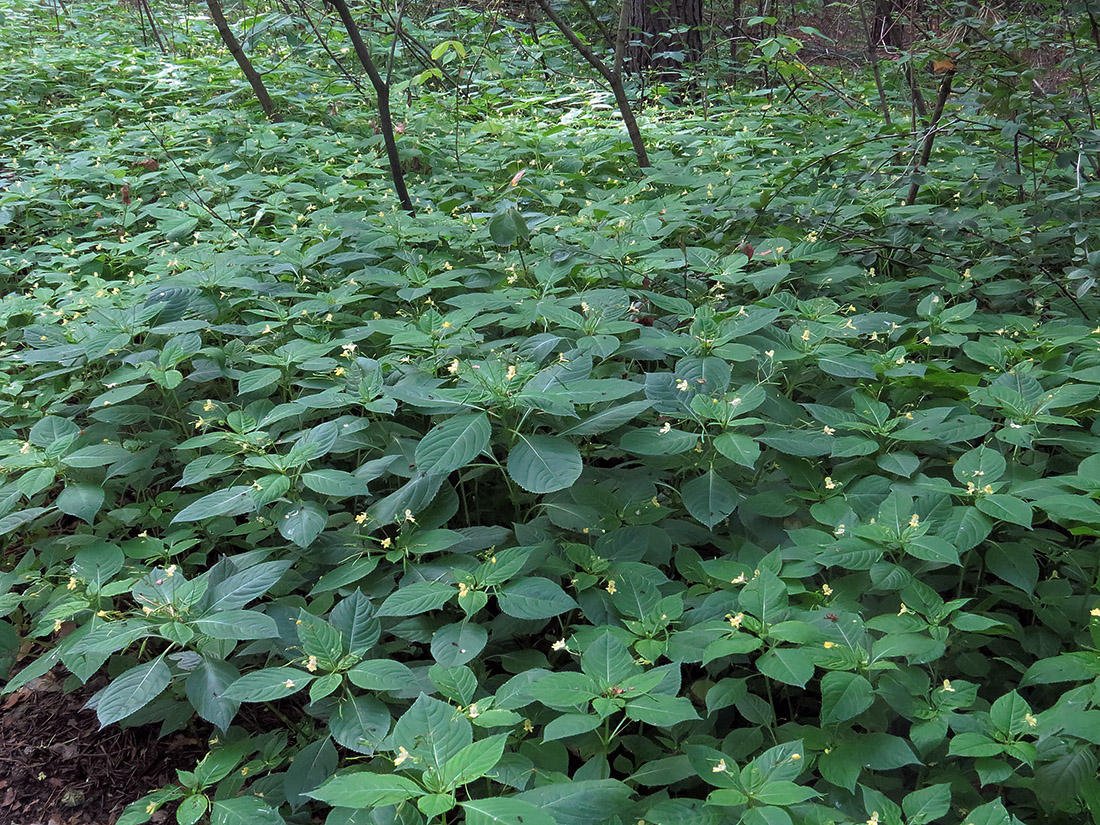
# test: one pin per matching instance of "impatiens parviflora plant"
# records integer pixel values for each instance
(733, 493)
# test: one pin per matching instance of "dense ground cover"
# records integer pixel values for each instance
(731, 491)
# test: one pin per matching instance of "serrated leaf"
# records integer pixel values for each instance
(544, 463)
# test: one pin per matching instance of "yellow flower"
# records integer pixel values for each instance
(741, 579)
(409, 516)
(361, 518)
(1031, 720)
(829, 645)
(827, 430)
(387, 543)
(610, 586)
(402, 755)
(338, 371)
(770, 353)
(558, 645)
(311, 664)
(463, 589)
(720, 767)
(947, 686)
(1095, 612)
(446, 325)
(828, 591)
(289, 683)
(806, 335)
(874, 818)
(795, 757)
(527, 726)
(735, 621)
(666, 428)
(914, 520)
(473, 712)
(682, 385)
(508, 376)
(200, 424)
(904, 610)
(208, 406)
(72, 584)
(830, 484)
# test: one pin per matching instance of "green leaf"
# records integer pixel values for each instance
(232, 502)
(131, 691)
(237, 625)
(381, 674)
(844, 696)
(433, 730)
(570, 724)
(416, 598)
(360, 724)
(268, 684)
(738, 448)
(81, 501)
(607, 660)
(362, 789)
(334, 483)
(312, 765)
(709, 498)
(792, 666)
(453, 444)
(661, 710)
(473, 761)
(580, 802)
(303, 523)
(456, 644)
(505, 811)
(927, 804)
(534, 598)
(244, 810)
(1006, 508)
(544, 464)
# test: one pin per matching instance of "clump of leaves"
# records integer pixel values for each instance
(550, 505)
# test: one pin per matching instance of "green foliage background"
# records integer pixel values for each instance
(550, 505)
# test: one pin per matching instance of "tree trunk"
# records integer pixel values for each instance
(253, 77)
(665, 34)
(887, 28)
(382, 92)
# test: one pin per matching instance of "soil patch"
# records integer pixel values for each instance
(58, 768)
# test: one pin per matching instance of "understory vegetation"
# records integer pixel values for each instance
(757, 485)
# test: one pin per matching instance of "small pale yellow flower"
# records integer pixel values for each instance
(839, 531)
(208, 406)
(200, 424)
(56, 625)
(829, 645)
(741, 579)
(914, 520)
(874, 818)
(402, 755)
(387, 543)
(1031, 720)
(288, 684)
(827, 430)
(527, 726)
(720, 767)
(558, 645)
(904, 610)
(473, 712)
(805, 335)
(830, 484)
(446, 325)
(666, 428)
(72, 584)
(610, 586)
(508, 376)
(361, 518)
(770, 353)
(682, 385)
(311, 664)
(409, 516)
(947, 686)
(828, 591)
(463, 589)
(795, 757)
(1095, 612)
(735, 621)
